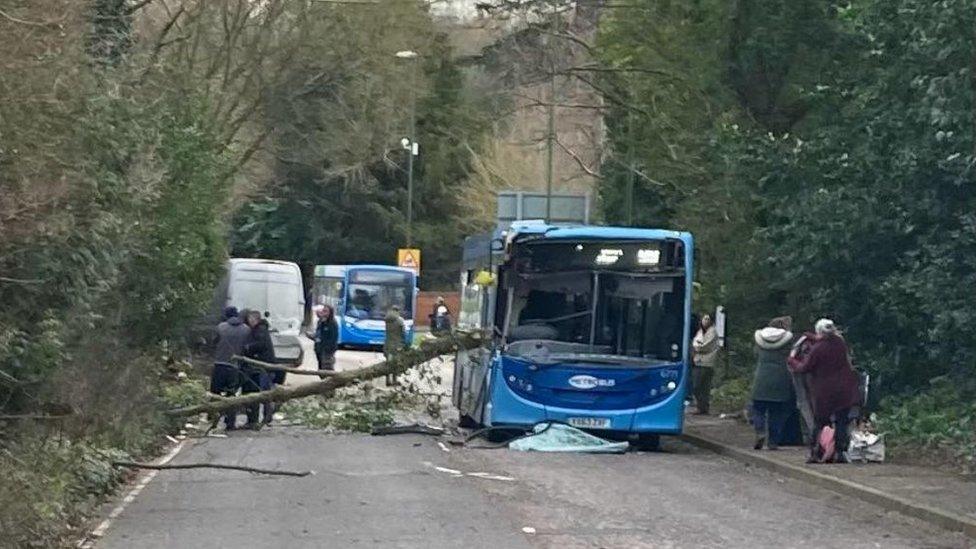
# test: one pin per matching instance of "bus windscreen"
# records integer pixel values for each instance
(371, 294)
(597, 298)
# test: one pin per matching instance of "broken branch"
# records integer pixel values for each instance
(403, 361)
(135, 465)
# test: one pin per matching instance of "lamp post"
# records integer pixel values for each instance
(410, 143)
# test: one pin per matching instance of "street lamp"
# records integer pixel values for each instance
(410, 143)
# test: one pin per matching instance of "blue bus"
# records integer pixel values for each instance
(361, 295)
(589, 326)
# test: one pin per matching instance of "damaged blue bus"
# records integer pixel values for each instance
(590, 326)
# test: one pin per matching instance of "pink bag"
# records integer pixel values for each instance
(825, 445)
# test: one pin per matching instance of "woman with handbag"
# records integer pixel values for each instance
(833, 388)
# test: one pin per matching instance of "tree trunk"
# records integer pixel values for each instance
(402, 362)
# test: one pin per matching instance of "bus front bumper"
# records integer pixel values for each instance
(505, 409)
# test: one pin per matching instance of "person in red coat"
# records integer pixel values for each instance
(833, 383)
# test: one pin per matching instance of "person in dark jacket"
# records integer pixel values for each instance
(326, 337)
(225, 379)
(394, 338)
(772, 386)
(258, 347)
(833, 385)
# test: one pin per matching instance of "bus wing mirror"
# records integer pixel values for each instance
(497, 245)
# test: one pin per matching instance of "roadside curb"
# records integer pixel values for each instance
(938, 517)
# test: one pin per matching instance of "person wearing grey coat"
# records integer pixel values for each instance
(772, 386)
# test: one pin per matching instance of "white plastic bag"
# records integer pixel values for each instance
(866, 447)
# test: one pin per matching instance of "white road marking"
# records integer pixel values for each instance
(448, 471)
(99, 531)
(477, 474)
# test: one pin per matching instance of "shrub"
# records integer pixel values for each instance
(940, 420)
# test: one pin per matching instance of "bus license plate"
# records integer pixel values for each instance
(590, 422)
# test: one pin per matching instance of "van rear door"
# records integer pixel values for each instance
(274, 289)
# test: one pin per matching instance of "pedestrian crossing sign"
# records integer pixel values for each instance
(409, 258)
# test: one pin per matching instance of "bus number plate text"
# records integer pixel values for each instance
(590, 422)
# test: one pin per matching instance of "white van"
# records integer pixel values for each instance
(275, 289)
(272, 287)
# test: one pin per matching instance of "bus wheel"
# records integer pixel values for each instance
(500, 435)
(648, 443)
(467, 422)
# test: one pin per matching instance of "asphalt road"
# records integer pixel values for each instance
(346, 359)
(406, 491)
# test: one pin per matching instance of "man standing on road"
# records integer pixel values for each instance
(226, 376)
(258, 347)
(394, 341)
(326, 337)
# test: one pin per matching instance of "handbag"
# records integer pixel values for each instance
(826, 445)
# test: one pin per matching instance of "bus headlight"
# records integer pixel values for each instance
(672, 385)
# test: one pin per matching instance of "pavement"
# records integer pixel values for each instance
(927, 493)
(416, 491)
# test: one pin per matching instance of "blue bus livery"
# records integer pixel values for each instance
(590, 326)
(361, 295)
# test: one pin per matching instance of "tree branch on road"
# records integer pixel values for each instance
(136, 465)
(400, 363)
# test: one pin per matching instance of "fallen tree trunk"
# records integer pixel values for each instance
(279, 368)
(402, 362)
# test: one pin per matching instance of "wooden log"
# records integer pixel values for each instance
(135, 465)
(279, 368)
(403, 361)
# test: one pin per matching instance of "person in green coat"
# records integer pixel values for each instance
(394, 340)
(772, 386)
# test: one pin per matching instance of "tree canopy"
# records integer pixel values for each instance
(822, 153)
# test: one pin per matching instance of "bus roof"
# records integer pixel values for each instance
(340, 270)
(478, 247)
(262, 264)
(609, 233)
